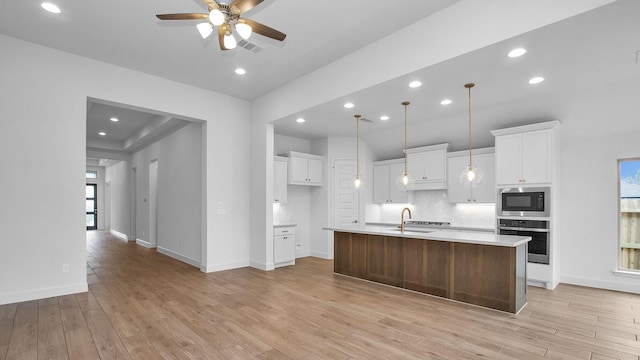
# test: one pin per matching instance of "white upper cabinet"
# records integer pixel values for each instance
(524, 157)
(385, 190)
(428, 166)
(484, 192)
(305, 169)
(280, 180)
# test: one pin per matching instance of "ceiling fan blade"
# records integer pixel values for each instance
(222, 30)
(211, 4)
(263, 30)
(240, 6)
(189, 16)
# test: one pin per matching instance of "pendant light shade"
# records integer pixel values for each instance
(358, 182)
(471, 175)
(405, 180)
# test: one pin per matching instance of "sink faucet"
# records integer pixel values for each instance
(402, 218)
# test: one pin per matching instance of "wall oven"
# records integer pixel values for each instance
(532, 201)
(538, 247)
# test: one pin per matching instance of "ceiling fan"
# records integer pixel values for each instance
(226, 16)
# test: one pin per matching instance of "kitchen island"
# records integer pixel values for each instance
(480, 268)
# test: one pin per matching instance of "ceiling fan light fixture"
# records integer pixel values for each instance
(229, 41)
(216, 17)
(244, 30)
(205, 29)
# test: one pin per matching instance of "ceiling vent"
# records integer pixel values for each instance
(250, 46)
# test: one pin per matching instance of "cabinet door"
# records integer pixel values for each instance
(299, 170)
(509, 159)
(279, 182)
(485, 192)
(457, 192)
(536, 156)
(395, 194)
(380, 184)
(284, 248)
(315, 171)
(427, 166)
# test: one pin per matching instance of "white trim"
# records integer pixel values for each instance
(177, 256)
(525, 128)
(43, 293)
(601, 284)
(627, 273)
(262, 266)
(119, 234)
(146, 244)
(321, 255)
(302, 254)
(222, 267)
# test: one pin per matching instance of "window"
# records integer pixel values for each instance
(629, 173)
(91, 174)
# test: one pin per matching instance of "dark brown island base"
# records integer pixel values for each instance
(484, 269)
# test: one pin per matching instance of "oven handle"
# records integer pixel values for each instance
(524, 229)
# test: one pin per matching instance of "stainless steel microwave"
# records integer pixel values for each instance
(533, 201)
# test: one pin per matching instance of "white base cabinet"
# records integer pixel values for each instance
(284, 246)
(485, 192)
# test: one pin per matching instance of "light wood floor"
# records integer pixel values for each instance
(144, 305)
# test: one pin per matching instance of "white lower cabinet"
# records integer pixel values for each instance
(284, 246)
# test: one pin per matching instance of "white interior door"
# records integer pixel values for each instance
(345, 198)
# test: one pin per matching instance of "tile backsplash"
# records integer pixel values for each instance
(433, 205)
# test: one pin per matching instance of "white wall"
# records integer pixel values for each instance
(43, 95)
(119, 176)
(602, 128)
(179, 193)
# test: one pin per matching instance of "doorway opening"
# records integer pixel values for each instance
(91, 192)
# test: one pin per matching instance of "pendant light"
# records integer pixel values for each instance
(358, 182)
(405, 180)
(471, 176)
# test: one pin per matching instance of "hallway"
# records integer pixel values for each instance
(145, 305)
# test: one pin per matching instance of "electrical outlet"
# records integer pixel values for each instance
(65, 268)
(298, 246)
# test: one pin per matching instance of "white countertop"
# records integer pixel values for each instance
(284, 225)
(469, 237)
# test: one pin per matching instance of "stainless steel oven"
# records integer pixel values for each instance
(533, 201)
(538, 247)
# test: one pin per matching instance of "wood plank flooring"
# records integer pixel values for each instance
(144, 305)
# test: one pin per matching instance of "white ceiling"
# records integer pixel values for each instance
(127, 33)
(585, 54)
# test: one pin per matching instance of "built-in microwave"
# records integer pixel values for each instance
(533, 201)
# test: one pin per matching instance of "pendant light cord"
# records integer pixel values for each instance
(406, 103)
(357, 145)
(469, 86)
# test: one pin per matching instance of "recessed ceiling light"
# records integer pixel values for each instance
(446, 102)
(516, 52)
(114, 119)
(415, 84)
(50, 8)
(300, 120)
(102, 133)
(348, 105)
(384, 117)
(240, 71)
(536, 80)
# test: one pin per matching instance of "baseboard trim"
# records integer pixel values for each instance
(119, 234)
(301, 254)
(146, 244)
(321, 255)
(602, 284)
(262, 266)
(222, 267)
(43, 293)
(177, 256)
